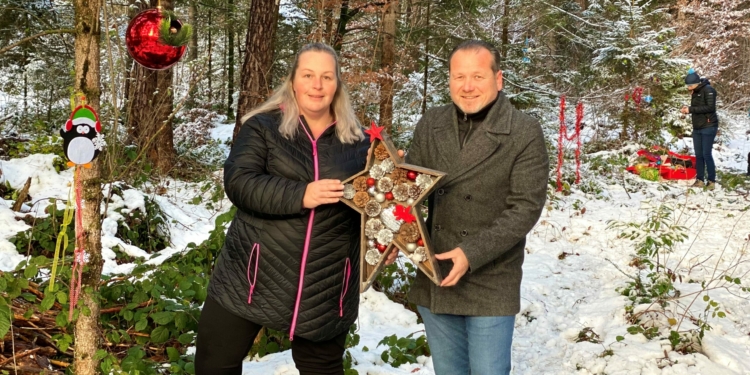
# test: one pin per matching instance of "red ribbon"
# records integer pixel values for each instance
(564, 135)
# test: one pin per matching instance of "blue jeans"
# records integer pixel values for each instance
(463, 345)
(703, 143)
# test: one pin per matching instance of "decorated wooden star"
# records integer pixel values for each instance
(388, 193)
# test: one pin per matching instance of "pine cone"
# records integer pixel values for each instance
(361, 198)
(408, 233)
(381, 152)
(399, 176)
(360, 183)
(414, 192)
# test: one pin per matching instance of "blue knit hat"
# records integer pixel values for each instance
(692, 77)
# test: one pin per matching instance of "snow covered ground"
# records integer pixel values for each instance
(571, 272)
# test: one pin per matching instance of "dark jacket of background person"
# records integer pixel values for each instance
(266, 176)
(703, 106)
(492, 196)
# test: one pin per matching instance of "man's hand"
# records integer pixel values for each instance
(391, 257)
(460, 266)
(401, 153)
(322, 192)
(685, 110)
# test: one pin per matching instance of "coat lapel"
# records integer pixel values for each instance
(446, 139)
(482, 144)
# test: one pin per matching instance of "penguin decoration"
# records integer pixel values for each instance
(82, 137)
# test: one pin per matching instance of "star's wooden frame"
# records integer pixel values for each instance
(429, 266)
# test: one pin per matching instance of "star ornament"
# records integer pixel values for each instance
(387, 194)
(374, 132)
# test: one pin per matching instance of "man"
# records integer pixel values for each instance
(494, 192)
(705, 126)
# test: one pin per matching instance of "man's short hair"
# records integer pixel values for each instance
(476, 45)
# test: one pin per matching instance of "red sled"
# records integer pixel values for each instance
(669, 173)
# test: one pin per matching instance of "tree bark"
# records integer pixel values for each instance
(149, 108)
(426, 62)
(387, 53)
(193, 16)
(506, 25)
(87, 76)
(255, 77)
(230, 58)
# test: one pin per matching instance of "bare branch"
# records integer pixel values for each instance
(32, 37)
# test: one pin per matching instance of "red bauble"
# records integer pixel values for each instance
(144, 46)
(411, 175)
(381, 248)
(420, 242)
(389, 196)
(370, 182)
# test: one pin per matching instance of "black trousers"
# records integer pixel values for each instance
(224, 340)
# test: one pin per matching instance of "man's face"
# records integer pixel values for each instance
(692, 87)
(472, 83)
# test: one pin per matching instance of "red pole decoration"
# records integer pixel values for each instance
(637, 97)
(79, 256)
(564, 136)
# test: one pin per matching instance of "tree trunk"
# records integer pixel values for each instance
(149, 109)
(230, 58)
(256, 69)
(87, 332)
(193, 16)
(344, 17)
(209, 73)
(506, 25)
(426, 62)
(387, 53)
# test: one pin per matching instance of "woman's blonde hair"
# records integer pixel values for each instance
(348, 128)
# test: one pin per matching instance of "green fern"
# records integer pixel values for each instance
(177, 37)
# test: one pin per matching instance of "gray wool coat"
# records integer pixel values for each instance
(492, 196)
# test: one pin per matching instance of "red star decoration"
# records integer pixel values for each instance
(402, 213)
(374, 131)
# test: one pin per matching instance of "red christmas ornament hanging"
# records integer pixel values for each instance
(145, 43)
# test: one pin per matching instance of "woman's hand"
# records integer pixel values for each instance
(322, 192)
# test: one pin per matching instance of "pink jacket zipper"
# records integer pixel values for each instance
(308, 236)
(256, 252)
(345, 288)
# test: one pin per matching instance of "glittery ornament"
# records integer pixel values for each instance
(401, 192)
(372, 191)
(361, 199)
(408, 233)
(399, 176)
(411, 175)
(372, 257)
(414, 191)
(377, 172)
(389, 219)
(360, 183)
(349, 191)
(423, 181)
(380, 197)
(371, 243)
(385, 236)
(372, 227)
(419, 255)
(388, 165)
(381, 152)
(385, 184)
(411, 247)
(372, 208)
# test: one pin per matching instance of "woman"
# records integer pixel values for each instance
(290, 261)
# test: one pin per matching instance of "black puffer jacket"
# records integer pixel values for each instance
(703, 106)
(270, 243)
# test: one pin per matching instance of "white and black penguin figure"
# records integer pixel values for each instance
(82, 138)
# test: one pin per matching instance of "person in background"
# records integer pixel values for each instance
(705, 127)
(497, 167)
(290, 261)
